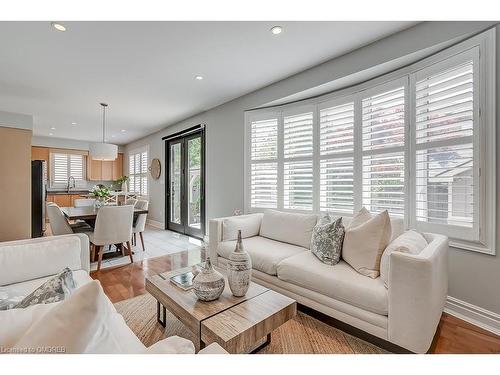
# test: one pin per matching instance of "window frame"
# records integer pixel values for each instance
(133, 153)
(78, 183)
(484, 140)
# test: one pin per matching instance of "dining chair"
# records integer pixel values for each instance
(113, 225)
(58, 223)
(83, 202)
(140, 223)
(131, 201)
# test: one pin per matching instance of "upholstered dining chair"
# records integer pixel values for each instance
(83, 202)
(131, 201)
(140, 223)
(58, 223)
(113, 225)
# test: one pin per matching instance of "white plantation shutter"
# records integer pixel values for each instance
(66, 165)
(298, 135)
(264, 139)
(264, 185)
(337, 158)
(138, 172)
(383, 139)
(264, 166)
(298, 185)
(445, 183)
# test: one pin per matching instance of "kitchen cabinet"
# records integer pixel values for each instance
(63, 200)
(41, 153)
(98, 170)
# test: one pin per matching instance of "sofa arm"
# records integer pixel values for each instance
(215, 233)
(213, 348)
(40, 257)
(417, 294)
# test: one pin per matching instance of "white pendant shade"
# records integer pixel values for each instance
(103, 151)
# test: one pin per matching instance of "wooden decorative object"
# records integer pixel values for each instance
(155, 169)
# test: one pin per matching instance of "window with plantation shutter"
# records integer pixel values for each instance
(445, 169)
(418, 142)
(264, 166)
(64, 166)
(298, 161)
(138, 172)
(337, 158)
(383, 140)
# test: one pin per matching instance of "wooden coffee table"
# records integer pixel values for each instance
(238, 324)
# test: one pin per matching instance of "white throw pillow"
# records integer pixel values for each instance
(248, 224)
(171, 345)
(409, 242)
(288, 227)
(365, 240)
(70, 326)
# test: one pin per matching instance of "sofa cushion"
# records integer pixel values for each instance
(340, 282)
(409, 242)
(397, 226)
(70, 325)
(288, 227)
(327, 239)
(265, 253)
(16, 258)
(365, 240)
(248, 224)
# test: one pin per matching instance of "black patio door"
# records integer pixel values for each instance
(185, 192)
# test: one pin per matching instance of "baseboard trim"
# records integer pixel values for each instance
(476, 315)
(156, 224)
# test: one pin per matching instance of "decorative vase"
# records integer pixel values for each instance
(124, 187)
(239, 269)
(98, 202)
(208, 284)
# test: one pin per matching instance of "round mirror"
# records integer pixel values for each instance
(155, 169)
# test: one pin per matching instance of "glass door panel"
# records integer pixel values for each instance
(194, 182)
(175, 186)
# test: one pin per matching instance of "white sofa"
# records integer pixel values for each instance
(26, 264)
(406, 314)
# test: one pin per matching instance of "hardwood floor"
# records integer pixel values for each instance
(123, 282)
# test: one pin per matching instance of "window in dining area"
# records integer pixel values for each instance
(138, 171)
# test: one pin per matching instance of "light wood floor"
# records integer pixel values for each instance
(127, 281)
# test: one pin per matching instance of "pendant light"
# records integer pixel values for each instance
(103, 151)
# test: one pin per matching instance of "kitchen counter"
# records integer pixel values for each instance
(65, 192)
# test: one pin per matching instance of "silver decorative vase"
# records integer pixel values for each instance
(239, 269)
(208, 284)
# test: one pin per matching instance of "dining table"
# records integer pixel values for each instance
(89, 213)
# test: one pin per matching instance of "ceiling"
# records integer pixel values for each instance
(145, 70)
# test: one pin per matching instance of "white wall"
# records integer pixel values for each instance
(474, 277)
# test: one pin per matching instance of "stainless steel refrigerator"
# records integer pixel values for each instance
(38, 196)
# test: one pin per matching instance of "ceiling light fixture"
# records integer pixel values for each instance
(52, 128)
(103, 151)
(123, 130)
(73, 123)
(199, 78)
(276, 30)
(58, 26)
(51, 133)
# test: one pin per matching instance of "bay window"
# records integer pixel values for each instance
(418, 142)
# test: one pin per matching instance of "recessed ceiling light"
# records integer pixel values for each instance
(52, 128)
(51, 133)
(276, 30)
(58, 26)
(199, 78)
(73, 123)
(113, 136)
(123, 130)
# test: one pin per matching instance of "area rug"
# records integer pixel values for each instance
(301, 335)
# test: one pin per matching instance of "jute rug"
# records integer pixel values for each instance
(301, 335)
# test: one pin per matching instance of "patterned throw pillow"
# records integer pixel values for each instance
(8, 299)
(327, 239)
(54, 290)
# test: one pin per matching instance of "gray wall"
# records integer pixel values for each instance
(474, 277)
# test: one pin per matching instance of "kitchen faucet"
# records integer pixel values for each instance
(69, 183)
